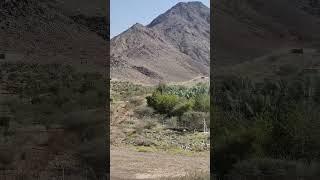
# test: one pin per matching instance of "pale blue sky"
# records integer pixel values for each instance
(125, 13)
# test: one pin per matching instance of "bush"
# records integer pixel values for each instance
(185, 92)
(94, 153)
(202, 103)
(136, 101)
(194, 120)
(182, 108)
(142, 141)
(172, 122)
(145, 124)
(143, 111)
(149, 123)
(163, 103)
(230, 150)
(56, 95)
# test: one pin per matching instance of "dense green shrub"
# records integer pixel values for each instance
(280, 116)
(163, 103)
(182, 107)
(186, 107)
(183, 91)
(231, 150)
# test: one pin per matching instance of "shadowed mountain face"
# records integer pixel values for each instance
(247, 29)
(173, 47)
(258, 39)
(39, 30)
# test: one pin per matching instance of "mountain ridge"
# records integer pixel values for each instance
(162, 48)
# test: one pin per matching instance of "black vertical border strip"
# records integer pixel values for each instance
(212, 89)
(107, 74)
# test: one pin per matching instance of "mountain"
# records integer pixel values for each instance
(87, 8)
(247, 29)
(41, 31)
(173, 47)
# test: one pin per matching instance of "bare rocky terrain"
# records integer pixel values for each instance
(173, 47)
(41, 31)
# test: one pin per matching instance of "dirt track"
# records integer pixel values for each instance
(129, 164)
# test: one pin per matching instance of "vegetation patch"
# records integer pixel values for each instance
(260, 125)
(171, 119)
(60, 103)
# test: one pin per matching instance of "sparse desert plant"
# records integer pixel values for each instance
(172, 122)
(136, 101)
(123, 90)
(145, 123)
(202, 103)
(194, 120)
(150, 123)
(142, 111)
(142, 141)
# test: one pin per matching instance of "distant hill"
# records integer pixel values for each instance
(173, 47)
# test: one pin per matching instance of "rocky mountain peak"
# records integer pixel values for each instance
(193, 4)
(137, 26)
(175, 46)
(186, 11)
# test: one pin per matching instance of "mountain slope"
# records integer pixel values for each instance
(250, 28)
(39, 31)
(173, 47)
(191, 32)
(281, 64)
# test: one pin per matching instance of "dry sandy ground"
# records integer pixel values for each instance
(129, 165)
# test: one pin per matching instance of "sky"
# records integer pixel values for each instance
(125, 13)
